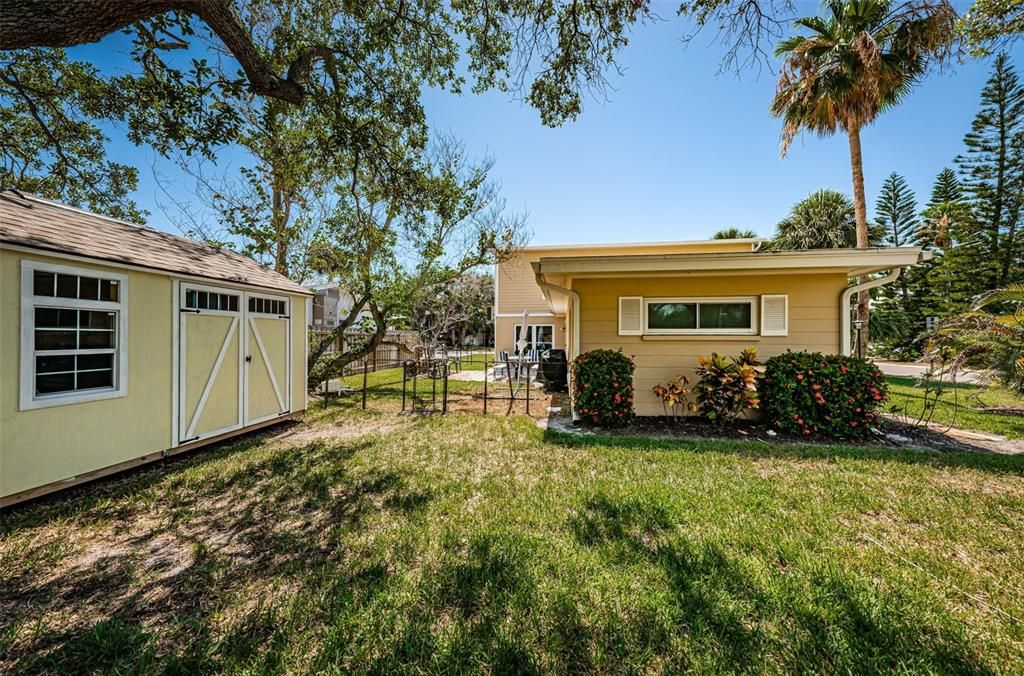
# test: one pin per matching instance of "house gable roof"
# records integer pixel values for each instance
(36, 223)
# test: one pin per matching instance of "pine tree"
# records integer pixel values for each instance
(993, 177)
(896, 215)
(948, 227)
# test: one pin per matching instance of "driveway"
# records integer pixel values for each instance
(914, 370)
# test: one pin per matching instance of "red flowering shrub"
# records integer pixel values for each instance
(603, 388)
(813, 393)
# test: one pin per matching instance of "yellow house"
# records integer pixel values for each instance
(668, 303)
(120, 345)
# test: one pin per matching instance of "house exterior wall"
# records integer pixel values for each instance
(57, 443)
(504, 330)
(516, 286)
(813, 322)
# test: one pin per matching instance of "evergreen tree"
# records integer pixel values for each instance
(948, 281)
(993, 176)
(896, 215)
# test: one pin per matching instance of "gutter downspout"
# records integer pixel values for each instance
(547, 287)
(844, 305)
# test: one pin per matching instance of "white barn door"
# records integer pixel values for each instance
(210, 361)
(267, 349)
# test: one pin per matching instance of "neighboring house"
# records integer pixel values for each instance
(122, 345)
(332, 304)
(666, 304)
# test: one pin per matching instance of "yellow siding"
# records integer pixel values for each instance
(50, 444)
(504, 331)
(46, 445)
(813, 322)
(517, 286)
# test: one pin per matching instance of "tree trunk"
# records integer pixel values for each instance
(860, 210)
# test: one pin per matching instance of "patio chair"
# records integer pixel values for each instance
(501, 363)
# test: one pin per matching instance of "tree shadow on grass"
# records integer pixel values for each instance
(152, 584)
(984, 461)
(822, 619)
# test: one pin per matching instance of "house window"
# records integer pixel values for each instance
(670, 316)
(73, 346)
(539, 336)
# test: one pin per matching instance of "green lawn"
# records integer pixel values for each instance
(365, 541)
(956, 406)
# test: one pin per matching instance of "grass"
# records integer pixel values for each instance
(957, 406)
(364, 541)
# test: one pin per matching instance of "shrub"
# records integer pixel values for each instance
(675, 397)
(810, 392)
(603, 388)
(727, 387)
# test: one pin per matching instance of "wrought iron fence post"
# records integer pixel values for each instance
(485, 384)
(444, 396)
(527, 388)
(433, 389)
(405, 378)
(366, 370)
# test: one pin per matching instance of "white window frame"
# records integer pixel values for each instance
(28, 399)
(753, 301)
(533, 335)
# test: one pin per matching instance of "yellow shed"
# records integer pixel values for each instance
(120, 345)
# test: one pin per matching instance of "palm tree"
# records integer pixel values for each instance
(860, 60)
(734, 233)
(822, 220)
(993, 341)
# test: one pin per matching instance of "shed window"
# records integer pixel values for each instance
(699, 315)
(267, 306)
(210, 300)
(73, 346)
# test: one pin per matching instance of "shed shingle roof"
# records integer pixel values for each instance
(40, 224)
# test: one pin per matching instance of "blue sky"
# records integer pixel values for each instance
(674, 153)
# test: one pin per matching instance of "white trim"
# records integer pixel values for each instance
(643, 245)
(784, 331)
(174, 274)
(176, 371)
(533, 334)
(284, 401)
(27, 397)
(211, 379)
(532, 314)
(737, 300)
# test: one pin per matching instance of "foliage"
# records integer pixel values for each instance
(50, 142)
(983, 408)
(456, 310)
(603, 388)
(897, 316)
(733, 233)
(991, 23)
(896, 212)
(726, 387)
(813, 393)
(389, 254)
(993, 180)
(860, 60)
(362, 67)
(989, 337)
(675, 396)
(822, 220)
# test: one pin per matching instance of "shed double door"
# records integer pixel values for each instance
(233, 359)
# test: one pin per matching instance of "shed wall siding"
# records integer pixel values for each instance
(56, 443)
(813, 323)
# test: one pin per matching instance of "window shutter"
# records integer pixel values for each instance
(775, 315)
(631, 315)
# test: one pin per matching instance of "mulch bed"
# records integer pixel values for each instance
(914, 438)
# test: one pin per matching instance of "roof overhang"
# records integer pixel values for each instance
(852, 262)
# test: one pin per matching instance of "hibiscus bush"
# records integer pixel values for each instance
(603, 388)
(813, 393)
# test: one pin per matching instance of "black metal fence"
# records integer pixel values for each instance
(466, 381)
